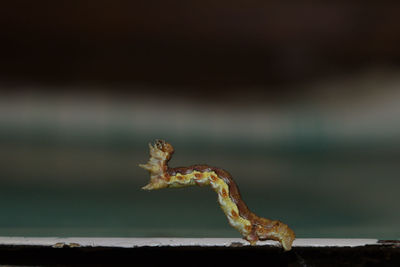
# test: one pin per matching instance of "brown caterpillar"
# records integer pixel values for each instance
(252, 227)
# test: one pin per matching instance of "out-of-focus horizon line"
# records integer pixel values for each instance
(364, 106)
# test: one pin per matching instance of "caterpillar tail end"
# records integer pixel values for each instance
(273, 230)
(287, 243)
(286, 238)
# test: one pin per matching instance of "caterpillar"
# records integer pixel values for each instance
(251, 227)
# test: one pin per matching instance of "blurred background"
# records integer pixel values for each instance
(300, 102)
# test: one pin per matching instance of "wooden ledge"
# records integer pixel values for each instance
(194, 251)
(175, 242)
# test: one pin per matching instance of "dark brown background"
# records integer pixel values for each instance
(213, 44)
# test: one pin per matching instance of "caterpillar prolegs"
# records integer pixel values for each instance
(252, 227)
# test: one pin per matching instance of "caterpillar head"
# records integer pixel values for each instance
(160, 154)
(162, 148)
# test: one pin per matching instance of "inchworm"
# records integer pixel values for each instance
(252, 227)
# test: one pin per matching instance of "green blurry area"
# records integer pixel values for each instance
(87, 183)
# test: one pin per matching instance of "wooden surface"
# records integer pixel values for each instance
(19, 251)
(175, 242)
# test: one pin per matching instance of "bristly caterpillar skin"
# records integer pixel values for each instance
(252, 227)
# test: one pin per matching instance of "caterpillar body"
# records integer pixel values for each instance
(252, 227)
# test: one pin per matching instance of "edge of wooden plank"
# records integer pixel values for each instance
(175, 242)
